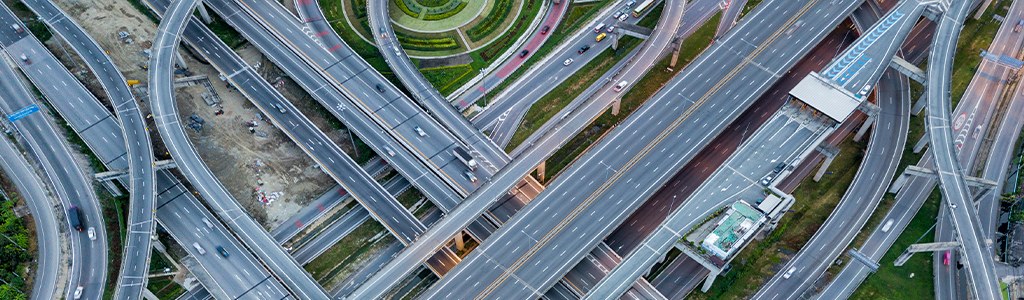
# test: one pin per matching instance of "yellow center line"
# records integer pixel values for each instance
(604, 187)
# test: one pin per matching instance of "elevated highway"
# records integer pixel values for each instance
(142, 177)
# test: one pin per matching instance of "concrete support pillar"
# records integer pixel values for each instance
(710, 280)
(923, 142)
(898, 184)
(180, 60)
(460, 242)
(919, 105)
(615, 40)
(864, 128)
(540, 171)
(203, 13)
(112, 188)
(615, 106)
(824, 166)
(675, 56)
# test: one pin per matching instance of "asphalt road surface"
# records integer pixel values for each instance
(141, 175)
(88, 257)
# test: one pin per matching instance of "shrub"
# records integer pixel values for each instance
(492, 21)
(410, 8)
(447, 14)
(426, 44)
(359, 7)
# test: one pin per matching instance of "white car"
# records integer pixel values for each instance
(78, 292)
(567, 62)
(92, 233)
(620, 86)
(199, 248)
(623, 17)
(390, 152)
(419, 131)
(789, 273)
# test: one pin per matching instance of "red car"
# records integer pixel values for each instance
(545, 29)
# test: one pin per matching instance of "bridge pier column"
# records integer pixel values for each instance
(460, 242)
(923, 142)
(615, 106)
(112, 188)
(864, 128)
(710, 280)
(824, 166)
(181, 61)
(919, 105)
(204, 13)
(540, 171)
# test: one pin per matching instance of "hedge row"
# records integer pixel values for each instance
(411, 10)
(492, 21)
(450, 6)
(359, 7)
(502, 43)
(445, 15)
(427, 44)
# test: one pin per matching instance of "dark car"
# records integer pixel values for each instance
(524, 53)
(584, 48)
(380, 88)
(223, 252)
(779, 168)
(545, 29)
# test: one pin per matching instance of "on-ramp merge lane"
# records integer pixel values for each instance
(192, 166)
(141, 175)
(975, 247)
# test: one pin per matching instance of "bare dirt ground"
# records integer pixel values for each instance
(242, 160)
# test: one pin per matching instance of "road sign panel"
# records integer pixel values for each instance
(24, 112)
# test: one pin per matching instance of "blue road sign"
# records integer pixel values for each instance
(24, 112)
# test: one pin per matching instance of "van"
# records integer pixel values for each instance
(208, 223)
(620, 86)
(598, 28)
(199, 248)
(888, 225)
(779, 168)
(601, 36)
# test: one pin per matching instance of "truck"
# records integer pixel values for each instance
(1020, 25)
(73, 218)
(464, 157)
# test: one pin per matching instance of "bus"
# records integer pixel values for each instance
(639, 10)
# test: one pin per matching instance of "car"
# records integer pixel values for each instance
(611, 28)
(601, 36)
(17, 28)
(567, 61)
(280, 108)
(524, 53)
(419, 131)
(789, 273)
(623, 17)
(208, 223)
(767, 179)
(470, 176)
(25, 59)
(864, 91)
(597, 29)
(620, 86)
(545, 29)
(398, 51)
(222, 252)
(389, 151)
(952, 205)
(630, 3)
(616, 15)
(199, 248)
(380, 88)
(92, 233)
(383, 33)
(779, 168)
(78, 292)
(584, 48)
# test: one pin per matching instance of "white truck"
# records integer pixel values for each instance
(464, 157)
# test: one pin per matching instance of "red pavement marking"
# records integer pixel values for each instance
(310, 19)
(320, 207)
(534, 42)
(481, 89)
(463, 103)
(304, 2)
(336, 47)
(322, 33)
(298, 224)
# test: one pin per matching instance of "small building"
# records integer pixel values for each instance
(733, 230)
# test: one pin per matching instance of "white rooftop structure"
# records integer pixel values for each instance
(823, 95)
